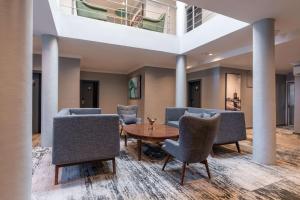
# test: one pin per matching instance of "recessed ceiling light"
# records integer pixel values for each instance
(189, 67)
(210, 54)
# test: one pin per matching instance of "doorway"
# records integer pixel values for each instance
(89, 94)
(290, 103)
(194, 93)
(36, 102)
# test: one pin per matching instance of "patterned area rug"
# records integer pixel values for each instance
(234, 176)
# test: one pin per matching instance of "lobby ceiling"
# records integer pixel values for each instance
(232, 50)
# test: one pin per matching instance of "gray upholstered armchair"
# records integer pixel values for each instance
(196, 137)
(84, 135)
(128, 115)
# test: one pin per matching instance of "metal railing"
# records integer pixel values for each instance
(197, 16)
(148, 14)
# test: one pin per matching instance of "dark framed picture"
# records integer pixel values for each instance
(134, 87)
(233, 92)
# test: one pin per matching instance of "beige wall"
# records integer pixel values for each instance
(213, 89)
(69, 80)
(158, 92)
(112, 89)
(210, 87)
(246, 92)
(69, 83)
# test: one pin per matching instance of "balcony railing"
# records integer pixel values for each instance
(197, 16)
(152, 15)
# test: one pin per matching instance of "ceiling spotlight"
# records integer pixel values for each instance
(189, 67)
(210, 54)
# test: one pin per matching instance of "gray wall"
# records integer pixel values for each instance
(112, 89)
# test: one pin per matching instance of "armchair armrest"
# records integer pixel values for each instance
(232, 127)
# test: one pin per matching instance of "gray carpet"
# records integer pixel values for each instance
(234, 176)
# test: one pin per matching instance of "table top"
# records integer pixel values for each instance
(144, 131)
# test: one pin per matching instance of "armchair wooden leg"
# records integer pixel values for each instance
(139, 148)
(121, 131)
(56, 175)
(114, 165)
(166, 161)
(207, 169)
(183, 173)
(238, 147)
(125, 140)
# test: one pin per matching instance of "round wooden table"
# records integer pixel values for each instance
(158, 133)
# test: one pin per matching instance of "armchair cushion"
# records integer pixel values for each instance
(187, 113)
(173, 123)
(199, 115)
(129, 118)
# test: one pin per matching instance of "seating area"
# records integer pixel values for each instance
(145, 179)
(85, 135)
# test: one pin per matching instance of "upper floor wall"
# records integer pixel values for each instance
(68, 24)
(153, 15)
